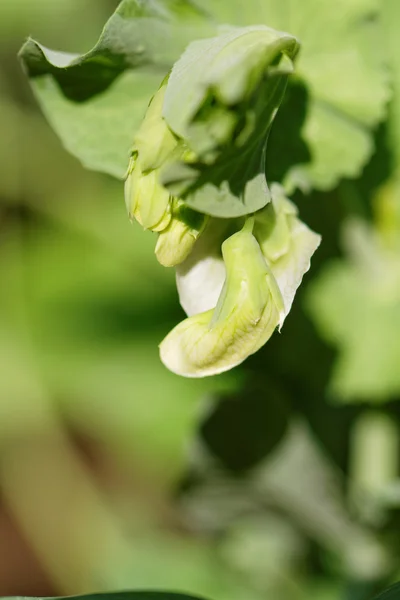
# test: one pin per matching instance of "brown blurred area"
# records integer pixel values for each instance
(20, 571)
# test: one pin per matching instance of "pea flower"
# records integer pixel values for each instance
(197, 178)
(237, 299)
(247, 312)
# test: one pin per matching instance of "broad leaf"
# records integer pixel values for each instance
(96, 101)
(341, 65)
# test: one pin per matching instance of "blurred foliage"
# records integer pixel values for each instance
(356, 302)
(285, 474)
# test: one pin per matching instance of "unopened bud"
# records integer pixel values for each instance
(147, 200)
(176, 241)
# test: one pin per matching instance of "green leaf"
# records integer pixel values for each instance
(96, 101)
(355, 305)
(342, 66)
(393, 593)
(355, 302)
(221, 99)
(136, 35)
(99, 132)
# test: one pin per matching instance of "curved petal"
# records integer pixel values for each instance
(200, 278)
(290, 268)
(248, 311)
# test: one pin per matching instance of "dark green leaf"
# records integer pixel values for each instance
(393, 593)
(244, 428)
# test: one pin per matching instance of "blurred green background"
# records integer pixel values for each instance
(268, 482)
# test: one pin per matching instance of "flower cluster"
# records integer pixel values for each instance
(237, 273)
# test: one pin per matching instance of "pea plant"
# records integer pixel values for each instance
(238, 127)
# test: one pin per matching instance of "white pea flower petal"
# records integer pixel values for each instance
(200, 285)
(201, 276)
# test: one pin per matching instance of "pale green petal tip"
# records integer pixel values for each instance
(287, 244)
(246, 315)
(147, 200)
(176, 241)
(154, 139)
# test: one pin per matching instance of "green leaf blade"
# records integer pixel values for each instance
(99, 132)
(95, 101)
(393, 593)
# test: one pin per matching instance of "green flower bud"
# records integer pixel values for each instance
(176, 241)
(248, 311)
(147, 200)
(154, 140)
